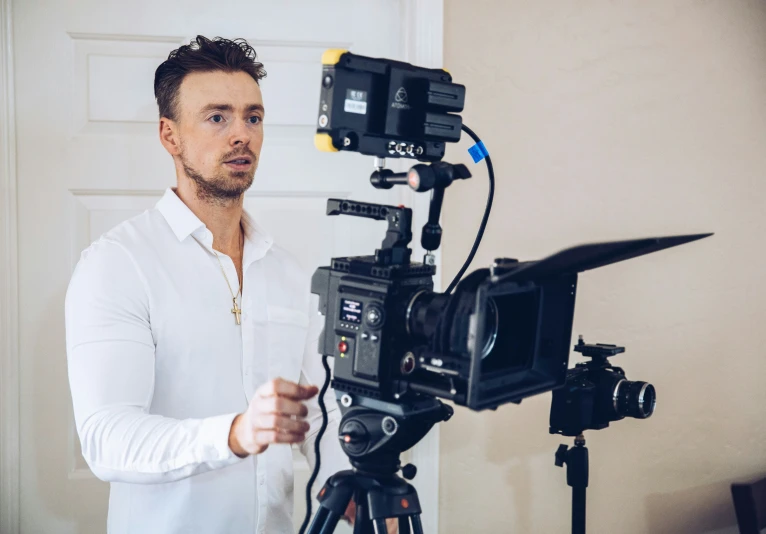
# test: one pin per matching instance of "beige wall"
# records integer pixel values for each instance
(611, 120)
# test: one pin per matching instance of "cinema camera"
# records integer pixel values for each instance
(496, 336)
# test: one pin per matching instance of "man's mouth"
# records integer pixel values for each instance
(239, 163)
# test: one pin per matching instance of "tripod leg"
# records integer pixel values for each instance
(365, 527)
(330, 523)
(417, 526)
(317, 524)
(380, 526)
(578, 510)
(324, 522)
(362, 522)
(404, 525)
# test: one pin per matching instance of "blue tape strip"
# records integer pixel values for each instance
(478, 152)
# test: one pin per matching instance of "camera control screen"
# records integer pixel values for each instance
(351, 311)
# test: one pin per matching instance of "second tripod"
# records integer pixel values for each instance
(576, 460)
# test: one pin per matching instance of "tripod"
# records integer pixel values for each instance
(576, 460)
(377, 497)
(373, 437)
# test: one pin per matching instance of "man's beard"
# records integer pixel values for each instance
(223, 186)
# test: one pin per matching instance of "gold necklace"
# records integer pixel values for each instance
(235, 310)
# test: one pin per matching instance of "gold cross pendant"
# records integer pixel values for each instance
(236, 310)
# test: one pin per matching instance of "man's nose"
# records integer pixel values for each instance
(240, 134)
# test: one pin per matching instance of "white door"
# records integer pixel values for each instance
(88, 157)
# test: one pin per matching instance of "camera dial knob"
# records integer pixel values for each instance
(374, 316)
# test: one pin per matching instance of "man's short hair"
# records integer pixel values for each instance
(202, 55)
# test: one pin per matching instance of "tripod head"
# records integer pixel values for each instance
(373, 433)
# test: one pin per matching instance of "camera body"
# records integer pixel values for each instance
(364, 305)
(394, 339)
(502, 335)
(597, 393)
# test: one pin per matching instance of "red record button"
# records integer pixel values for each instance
(343, 347)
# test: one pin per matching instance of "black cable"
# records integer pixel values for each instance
(484, 219)
(317, 443)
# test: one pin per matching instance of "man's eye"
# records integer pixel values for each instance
(255, 119)
(217, 118)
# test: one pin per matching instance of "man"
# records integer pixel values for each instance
(192, 360)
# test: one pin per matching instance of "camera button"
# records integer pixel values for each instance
(374, 316)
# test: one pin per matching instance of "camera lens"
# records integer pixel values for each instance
(423, 314)
(490, 328)
(426, 308)
(634, 399)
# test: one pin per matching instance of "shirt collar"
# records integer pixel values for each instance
(184, 223)
(181, 219)
(257, 241)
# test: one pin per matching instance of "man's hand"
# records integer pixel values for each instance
(392, 523)
(275, 415)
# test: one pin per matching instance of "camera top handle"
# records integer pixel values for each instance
(394, 250)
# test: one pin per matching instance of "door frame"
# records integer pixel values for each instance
(423, 25)
(10, 420)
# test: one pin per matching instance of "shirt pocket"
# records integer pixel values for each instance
(288, 329)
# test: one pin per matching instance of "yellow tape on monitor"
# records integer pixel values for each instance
(323, 142)
(331, 56)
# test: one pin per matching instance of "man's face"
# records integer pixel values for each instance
(220, 131)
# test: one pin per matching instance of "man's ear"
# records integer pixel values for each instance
(169, 136)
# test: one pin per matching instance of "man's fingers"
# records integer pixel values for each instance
(284, 388)
(279, 422)
(282, 406)
(267, 437)
(279, 388)
(277, 413)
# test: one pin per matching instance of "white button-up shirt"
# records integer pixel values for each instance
(158, 369)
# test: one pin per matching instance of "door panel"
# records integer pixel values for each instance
(89, 157)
